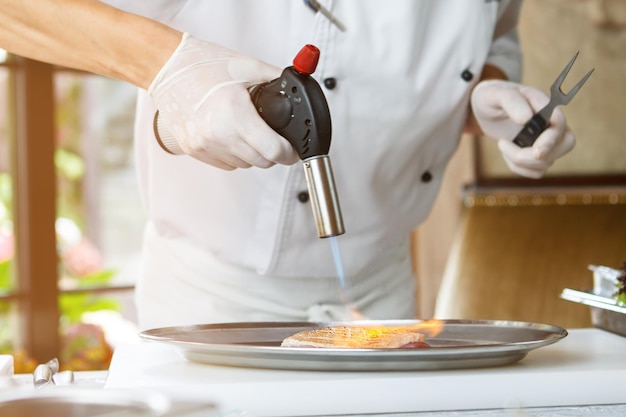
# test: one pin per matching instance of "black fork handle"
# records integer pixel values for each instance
(531, 131)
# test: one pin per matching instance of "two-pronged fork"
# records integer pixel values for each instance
(540, 120)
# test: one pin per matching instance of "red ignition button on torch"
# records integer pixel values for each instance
(306, 60)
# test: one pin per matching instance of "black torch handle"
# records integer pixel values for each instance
(296, 108)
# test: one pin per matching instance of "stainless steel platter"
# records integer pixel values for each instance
(461, 344)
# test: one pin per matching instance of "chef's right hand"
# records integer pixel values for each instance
(201, 94)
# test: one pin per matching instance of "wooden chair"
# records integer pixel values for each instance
(514, 254)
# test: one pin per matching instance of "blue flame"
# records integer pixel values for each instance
(338, 264)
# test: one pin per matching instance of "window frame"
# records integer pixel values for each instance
(34, 206)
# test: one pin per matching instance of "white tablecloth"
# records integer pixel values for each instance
(587, 368)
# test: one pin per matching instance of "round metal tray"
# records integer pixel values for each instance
(461, 344)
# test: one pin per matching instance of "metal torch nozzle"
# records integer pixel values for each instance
(323, 194)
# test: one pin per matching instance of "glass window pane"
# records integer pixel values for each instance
(99, 215)
(7, 322)
(6, 218)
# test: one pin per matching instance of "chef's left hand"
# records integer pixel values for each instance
(501, 108)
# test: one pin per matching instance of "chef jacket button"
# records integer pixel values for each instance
(330, 83)
(303, 196)
(467, 75)
(427, 176)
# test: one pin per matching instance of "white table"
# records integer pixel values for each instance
(581, 375)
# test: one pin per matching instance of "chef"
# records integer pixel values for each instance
(230, 235)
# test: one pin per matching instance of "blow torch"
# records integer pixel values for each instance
(296, 108)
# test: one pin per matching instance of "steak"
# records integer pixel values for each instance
(357, 338)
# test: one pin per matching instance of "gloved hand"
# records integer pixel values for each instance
(501, 109)
(201, 93)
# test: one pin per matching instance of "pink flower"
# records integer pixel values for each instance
(6, 246)
(82, 258)
(85, 348)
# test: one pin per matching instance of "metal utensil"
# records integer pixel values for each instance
(48, 374)
(42, 376)
(540, 120)
(317, 7)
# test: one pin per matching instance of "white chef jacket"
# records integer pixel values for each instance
(241, 245)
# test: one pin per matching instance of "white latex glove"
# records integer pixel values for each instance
(201, 92)
(501, 109)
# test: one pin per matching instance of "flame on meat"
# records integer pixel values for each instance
(367, 336)
(430, 328)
